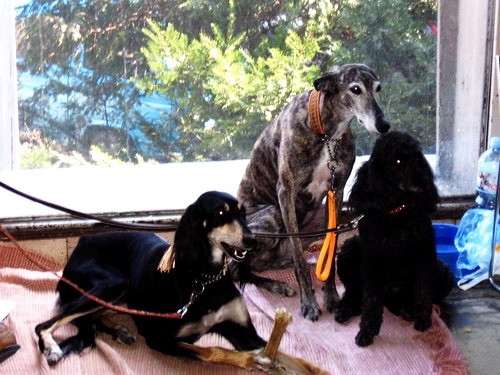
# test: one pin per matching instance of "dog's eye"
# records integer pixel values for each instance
(378, 88)
(398, 161)
(356, 90)
(221, 213)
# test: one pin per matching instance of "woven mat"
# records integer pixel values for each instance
(399, 349)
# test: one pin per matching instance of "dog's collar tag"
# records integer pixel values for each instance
(397, 210)
(313, 113)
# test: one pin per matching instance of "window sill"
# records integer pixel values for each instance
(147, 194)
(450, 209)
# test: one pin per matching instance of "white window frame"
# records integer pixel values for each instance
(9, 128)
(465, 122)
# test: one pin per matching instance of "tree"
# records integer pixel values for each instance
(390, 36)
(224, 69)
(226, 95)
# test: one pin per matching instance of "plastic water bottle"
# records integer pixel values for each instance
(475, 233)
(487, 176)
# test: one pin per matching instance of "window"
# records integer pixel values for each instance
(139, 106)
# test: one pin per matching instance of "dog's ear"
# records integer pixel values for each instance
(327, 83)
(190, 240)
(368, 193)
(429, 198)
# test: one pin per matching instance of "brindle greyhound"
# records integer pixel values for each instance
(290, 171)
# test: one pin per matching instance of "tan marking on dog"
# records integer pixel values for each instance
(234, 311)
(249, 360)
(231, 234)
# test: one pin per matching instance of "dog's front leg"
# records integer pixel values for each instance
(372, 307)
(309, 306)
(422, 297)
(249, 360)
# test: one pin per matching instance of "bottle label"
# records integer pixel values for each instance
(487, 182)
(487, 177)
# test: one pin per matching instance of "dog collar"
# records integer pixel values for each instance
(397, 210)
(313, 113)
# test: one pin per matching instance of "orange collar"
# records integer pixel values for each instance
(313, 113)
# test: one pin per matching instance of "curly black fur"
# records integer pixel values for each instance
(393, 261)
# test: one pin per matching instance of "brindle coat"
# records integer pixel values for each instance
(288, 176)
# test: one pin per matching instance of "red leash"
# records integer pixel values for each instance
(108, 305)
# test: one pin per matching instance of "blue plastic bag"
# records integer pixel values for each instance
(473, 242)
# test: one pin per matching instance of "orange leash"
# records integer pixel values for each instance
(324, 266)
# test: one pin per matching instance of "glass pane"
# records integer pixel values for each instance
(111, 83)
(167, 81)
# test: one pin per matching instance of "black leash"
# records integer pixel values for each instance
(83, 215)
(172, 227)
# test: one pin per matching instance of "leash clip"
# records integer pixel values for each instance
(355, 222)
(183, 310)
(198, 289)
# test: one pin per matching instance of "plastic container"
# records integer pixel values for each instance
(487, 175)
(444, 235)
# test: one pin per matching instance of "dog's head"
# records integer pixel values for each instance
(397, 173)
(353, 90)
(211, 229)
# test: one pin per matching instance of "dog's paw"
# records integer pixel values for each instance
(342, 315)
(259, 361)
(282, 288)
(364, 338)
(124, 336)
(422, 324)
(406, 315)
(311, 311)
(53, 355)
(332, 301)
(345, 311)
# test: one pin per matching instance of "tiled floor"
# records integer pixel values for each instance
(474, 318)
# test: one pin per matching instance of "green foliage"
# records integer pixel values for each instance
(224, 94)
(390, 36)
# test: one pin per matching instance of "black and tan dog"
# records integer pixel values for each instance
(393, 261)
(290, 171)
(131, 268)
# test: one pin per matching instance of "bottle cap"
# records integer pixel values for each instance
(495, 142)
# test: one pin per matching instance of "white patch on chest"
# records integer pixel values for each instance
(234, 311)
(320, 177)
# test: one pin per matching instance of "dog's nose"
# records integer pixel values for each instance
(383, 125)
(249, 241)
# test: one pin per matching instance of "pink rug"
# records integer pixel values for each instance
(399, 349)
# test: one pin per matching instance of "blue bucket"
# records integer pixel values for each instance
(445, 245)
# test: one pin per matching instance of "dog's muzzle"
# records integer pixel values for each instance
(238, 254)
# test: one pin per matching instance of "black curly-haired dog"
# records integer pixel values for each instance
(393, 261)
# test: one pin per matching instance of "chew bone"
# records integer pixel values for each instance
(281, 320)
(282, 363)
